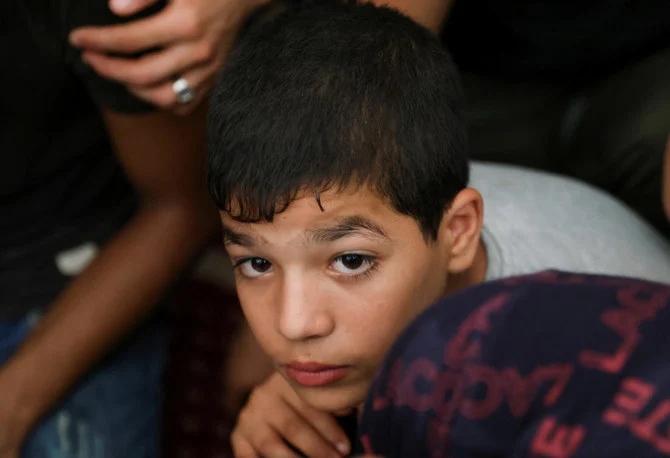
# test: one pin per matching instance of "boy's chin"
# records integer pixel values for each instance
(339, 402)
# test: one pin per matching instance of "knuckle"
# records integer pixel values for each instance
(245, 417)
(205, 51)
(190, 25)
(257, 396)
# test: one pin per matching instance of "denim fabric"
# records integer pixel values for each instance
(113, 412)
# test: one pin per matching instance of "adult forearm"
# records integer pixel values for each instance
(429, 13)
(103, 304)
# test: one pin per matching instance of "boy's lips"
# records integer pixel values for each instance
(314, 374)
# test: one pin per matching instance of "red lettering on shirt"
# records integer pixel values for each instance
(420, 369)
(382, 400)
(628, 402)
(477, 409)
(556, 441)
(633, 398)
(624, 324)
(639, 305)
(462, 347)
(522, 390)
(648, 428)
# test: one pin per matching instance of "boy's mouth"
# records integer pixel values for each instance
(314, 374)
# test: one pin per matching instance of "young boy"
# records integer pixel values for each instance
(551, 364)
(338, 158)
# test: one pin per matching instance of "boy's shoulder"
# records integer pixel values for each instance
(505, 365)
(536, 221)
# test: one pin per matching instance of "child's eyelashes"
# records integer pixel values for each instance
(252, 267)
(346, 266)
(353, 265)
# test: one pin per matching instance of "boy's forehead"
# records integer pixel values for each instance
(319, 207)
(332, 215)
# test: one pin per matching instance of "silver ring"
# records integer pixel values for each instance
(182, 90)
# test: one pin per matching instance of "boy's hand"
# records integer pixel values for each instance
(275, 415)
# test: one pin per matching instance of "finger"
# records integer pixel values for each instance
(152, 68)
(129, 7)
(266, 443)
(164, 97)
(242, 448)
(140, 35)
(324, 423)
(298, 432)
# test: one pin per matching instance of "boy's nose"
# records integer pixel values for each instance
(302, 314)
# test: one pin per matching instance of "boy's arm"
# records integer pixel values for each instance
(432, 14)
(163, 158)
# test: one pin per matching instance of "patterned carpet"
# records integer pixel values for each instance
(196, 422)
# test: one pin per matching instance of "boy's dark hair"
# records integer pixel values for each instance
(334, 95)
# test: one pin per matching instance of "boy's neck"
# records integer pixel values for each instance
(474, 275)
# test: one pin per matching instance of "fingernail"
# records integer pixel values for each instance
(342, 447)
(120, 5)
(74, 39)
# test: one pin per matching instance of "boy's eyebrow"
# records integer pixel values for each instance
(351, 225)
(231, 237)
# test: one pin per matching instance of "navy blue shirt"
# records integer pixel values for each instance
(548, 365)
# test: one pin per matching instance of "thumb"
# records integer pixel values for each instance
(129, 7)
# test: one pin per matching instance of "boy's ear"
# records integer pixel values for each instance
(461, 228)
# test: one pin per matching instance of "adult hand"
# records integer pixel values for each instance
(275, 415)
(192, 38)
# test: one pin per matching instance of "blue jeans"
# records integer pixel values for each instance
(113, 412)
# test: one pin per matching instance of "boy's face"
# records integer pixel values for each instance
(326, 292)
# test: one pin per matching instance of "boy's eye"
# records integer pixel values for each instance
(254, 267)
(352, 263)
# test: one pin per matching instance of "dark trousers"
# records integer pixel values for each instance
(611, 134)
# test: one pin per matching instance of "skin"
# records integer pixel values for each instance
(432, 14)
(193, 37)
(162, 156)
(335, 286)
